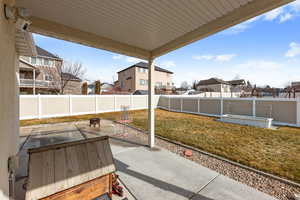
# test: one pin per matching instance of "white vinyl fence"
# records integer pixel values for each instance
(45, 106)
(283, 111)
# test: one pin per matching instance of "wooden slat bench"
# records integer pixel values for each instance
(68, 171)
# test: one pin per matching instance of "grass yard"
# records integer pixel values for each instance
(274, 151)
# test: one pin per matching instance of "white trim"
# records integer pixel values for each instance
(254, 107)
(96, 104)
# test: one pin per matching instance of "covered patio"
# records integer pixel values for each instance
(143, 29)
(145, 173)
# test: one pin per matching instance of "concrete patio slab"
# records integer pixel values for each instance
(161, 174)
(224, 188)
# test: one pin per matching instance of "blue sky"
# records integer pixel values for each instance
(263, 50)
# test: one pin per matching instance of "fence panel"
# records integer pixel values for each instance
(29, 107)
(190, 104)
(106, 103)
(280, 111)
(83, 104)
(139, 102)
(54, 106)
(238, 107)
(210, 106)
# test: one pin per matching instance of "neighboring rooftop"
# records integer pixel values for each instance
(237, 82)
(42, 52)
(213, 81)
(145, 66)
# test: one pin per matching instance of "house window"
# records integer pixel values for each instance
(46, 62)
(142, 82)
(48, 77)
(39, 61)
(33, 60)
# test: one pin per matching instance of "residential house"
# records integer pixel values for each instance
(135, 78)
(39, 75)
(219, 85)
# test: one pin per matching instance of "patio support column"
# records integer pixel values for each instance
(151, 113)
(9, 101)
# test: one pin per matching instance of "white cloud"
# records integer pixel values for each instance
(295, 6)
(168, 63)
(273, 14)
(117, 57)
(285, 17)
(293, 51)
(203, 57)
(219, 58)
(133, 60)
(225, 57)
(126, 58)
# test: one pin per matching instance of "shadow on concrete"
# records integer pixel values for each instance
(122, 167)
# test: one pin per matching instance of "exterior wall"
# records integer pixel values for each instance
(9, 115)
(40, 74)
(133, 84)
(73, 87)
(127, 80)
(216, 87)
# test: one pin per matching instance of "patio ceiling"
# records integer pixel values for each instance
(140, 28)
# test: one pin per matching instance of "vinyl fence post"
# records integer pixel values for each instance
(131, 102)
(96, 104)
(115, 103)
(169, 103)
(221, 106)
(70, 105)
(199, 105)
(181, 102)
(254, 107)
(39, 107)
(298, 111)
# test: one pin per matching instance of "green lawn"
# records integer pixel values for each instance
(274, 151)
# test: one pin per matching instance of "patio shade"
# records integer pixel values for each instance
(140, 28)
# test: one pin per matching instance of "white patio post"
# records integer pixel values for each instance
(151, 114)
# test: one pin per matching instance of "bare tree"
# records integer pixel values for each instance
(63, 74)
(185, 85)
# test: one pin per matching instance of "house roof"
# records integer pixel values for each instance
(212, 81)
(93, 155)
(159, 26)
(42, 52)
(145, 66)
(237, 82)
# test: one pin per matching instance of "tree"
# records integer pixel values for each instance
(84, 88)
(185, 85)
(195, 85)
(61, 75)
(97, 87)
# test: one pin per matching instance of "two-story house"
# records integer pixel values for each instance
(135, 78)
(39, 75)
(219, 85)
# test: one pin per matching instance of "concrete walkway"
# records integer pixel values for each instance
(160, 174)
(146, 174)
